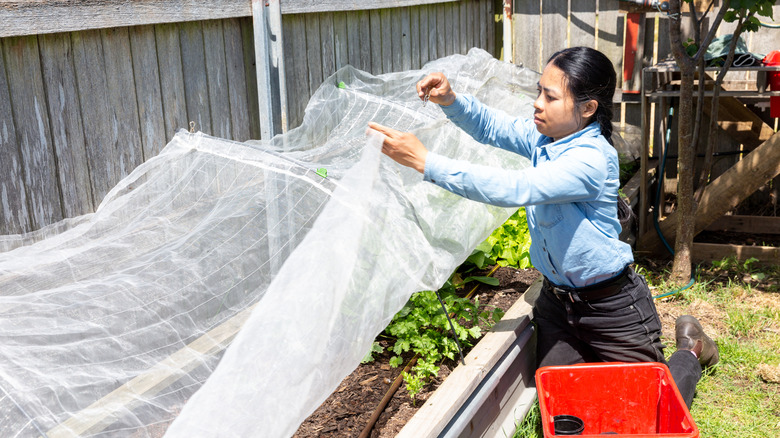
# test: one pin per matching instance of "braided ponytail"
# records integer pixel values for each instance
(589, 76)
(604, 117)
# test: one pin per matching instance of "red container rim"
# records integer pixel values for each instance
(773, 58)
(547, 427)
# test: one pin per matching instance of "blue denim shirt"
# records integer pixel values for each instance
(570, 191)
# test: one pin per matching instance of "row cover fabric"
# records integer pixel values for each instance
(225, 289)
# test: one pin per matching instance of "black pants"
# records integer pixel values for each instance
(622, 328)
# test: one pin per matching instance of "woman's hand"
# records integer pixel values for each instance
(403, 147)
(437, 88)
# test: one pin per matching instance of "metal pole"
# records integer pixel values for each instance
(507, 22)
(269, 62)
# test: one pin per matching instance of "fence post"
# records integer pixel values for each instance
(271, 85)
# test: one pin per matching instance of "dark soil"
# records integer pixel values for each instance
(347, 411)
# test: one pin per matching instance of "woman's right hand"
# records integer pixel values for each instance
(437, 88)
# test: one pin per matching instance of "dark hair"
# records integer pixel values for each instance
(589, 76)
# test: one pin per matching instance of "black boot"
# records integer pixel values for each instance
(690, 336)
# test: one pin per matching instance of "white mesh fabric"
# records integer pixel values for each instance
(115, 323)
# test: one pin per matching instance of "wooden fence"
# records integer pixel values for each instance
(91, 89)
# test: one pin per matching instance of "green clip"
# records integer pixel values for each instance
(323, 172)
(342, 84)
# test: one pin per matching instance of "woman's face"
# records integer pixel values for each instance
(556, 114)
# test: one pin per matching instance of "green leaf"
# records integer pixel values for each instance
(492, 281)
(396, 361)
(375, 348)
(478, 258)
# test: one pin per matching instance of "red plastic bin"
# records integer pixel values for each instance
(637, 400)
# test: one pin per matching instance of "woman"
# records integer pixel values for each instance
(593, 306)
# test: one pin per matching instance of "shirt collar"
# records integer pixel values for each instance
(555, 147)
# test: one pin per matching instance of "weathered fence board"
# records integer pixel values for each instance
(340, 40)
(327, 39)
(32, 129)
(196, 90)
(13, 198)
(554, 27)
(386, 25)
(216, 75)
(527, 34)
(416, 38)
(610, 34)
(583, 23)
(236, 81)
(247, 37)
(122, 105)
(375, 44)
(313, 51)
(171, 79)
(147, 89)
(52, 16)
(294, 39)
(433, 49)
(66, 127)
(95, 111)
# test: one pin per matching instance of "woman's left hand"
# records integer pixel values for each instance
(403, 147)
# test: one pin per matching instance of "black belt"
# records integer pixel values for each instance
(603, 289)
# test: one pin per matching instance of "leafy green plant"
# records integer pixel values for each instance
(375, 348)
(508, 245)
(422, 327)
(748, 267)
(627, 168)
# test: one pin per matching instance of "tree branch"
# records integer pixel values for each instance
(707, 11)
(713, 129)
(699, 109)
(713, 30)
(683, 60)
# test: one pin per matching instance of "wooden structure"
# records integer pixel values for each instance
(745, 132)
(91, 89)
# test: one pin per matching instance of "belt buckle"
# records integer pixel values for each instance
(559, 291)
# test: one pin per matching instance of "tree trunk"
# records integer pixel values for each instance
(686, 205)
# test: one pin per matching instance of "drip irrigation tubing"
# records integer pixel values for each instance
(386, 399)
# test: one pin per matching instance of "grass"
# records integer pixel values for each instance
(739, 306)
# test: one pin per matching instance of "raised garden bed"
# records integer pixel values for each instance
(496, 399)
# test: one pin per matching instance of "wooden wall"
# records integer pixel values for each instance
(89, 90)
